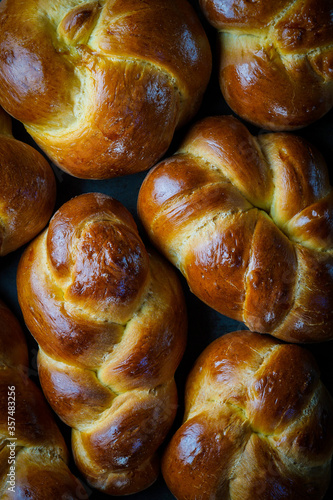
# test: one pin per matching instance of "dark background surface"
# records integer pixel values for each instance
(204, 324)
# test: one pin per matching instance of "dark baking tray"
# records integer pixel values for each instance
(204, 324)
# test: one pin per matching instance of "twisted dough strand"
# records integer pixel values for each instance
(109, 83)
(249, 223)
(28, 190)
(276, 59)
(40, 469)
(110, 322)
(257, 424)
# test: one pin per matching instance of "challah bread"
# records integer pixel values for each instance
(276, 59)
(110, 320)
(102, 86)
(27, 193)
(258, 424)
(249, 222)
(33, 454)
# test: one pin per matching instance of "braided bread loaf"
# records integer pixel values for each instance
(33, 454)
(27, 193)
(110, 321)
(101, 86)
(258, 424)
(249, 222)
(276, 59)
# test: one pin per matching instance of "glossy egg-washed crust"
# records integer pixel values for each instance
(40, 468)
(249, 222)
(258, 424)
(110, 321)
(28, 190)
(102, 85)
(276, 59)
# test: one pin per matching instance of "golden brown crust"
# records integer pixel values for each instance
(242, 13)
(276, 59)
(28, 190)
(258, 424)
(248, 221)
(110, 321)
(101, 87)
(39, 457)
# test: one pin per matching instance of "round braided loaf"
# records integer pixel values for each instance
(101, 85)
(258, 424)
(276, 59)
(28, 190)
(110, 321)
(249, 222)
(33, 454)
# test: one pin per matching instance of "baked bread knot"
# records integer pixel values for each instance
(258, 424)
(276, 59)
(101, 86)
(28, 190)
(33, 454)
(249, 222)
(110, 321)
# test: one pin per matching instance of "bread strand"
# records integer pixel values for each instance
(248, 432)
(33, 456)
(176, 219)
(122, 399)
